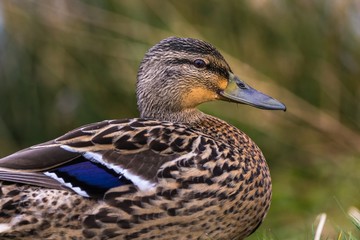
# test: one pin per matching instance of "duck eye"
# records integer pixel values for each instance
(199, 63)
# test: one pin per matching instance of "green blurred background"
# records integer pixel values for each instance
(67, 63)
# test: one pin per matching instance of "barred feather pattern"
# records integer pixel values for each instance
(207, 180)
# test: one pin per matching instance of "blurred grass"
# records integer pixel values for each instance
(67, 63)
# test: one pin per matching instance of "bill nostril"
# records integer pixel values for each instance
(241, 85)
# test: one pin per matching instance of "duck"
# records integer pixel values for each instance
(173, 173)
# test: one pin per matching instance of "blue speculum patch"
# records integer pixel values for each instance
(93, 178)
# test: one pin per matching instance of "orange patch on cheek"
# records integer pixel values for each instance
(222, 82)
(196, 96)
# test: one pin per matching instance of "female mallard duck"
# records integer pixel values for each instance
(174, 173)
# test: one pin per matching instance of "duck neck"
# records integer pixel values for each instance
(186, 116)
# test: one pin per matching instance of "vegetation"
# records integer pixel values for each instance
(67, 63)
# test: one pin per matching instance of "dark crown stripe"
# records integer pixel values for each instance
(187, 45)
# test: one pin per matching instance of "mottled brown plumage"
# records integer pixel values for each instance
(174, 173)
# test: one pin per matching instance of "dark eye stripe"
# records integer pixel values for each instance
(218, 70)
(210, 67)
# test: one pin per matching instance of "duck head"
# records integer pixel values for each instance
(177, 74)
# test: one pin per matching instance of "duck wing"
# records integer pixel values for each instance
(94, 158)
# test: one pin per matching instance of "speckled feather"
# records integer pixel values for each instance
(197, 175)
(182, 175)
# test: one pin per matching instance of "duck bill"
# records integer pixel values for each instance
(240, 92)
